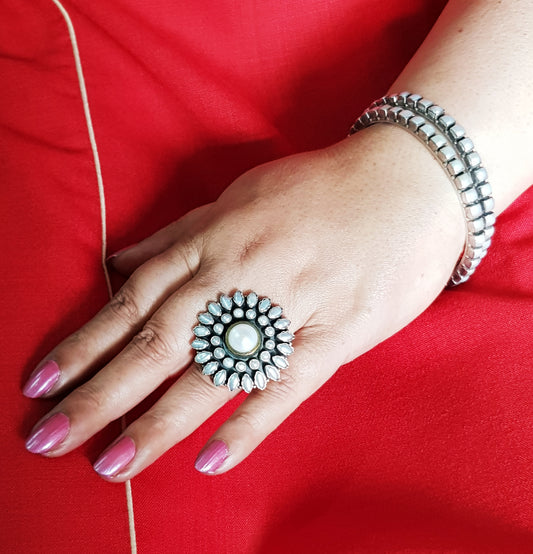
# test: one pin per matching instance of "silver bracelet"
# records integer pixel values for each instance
(448, 142)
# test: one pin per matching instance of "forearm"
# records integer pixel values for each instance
(477, 62)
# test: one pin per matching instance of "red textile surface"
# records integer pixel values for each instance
(425, 444)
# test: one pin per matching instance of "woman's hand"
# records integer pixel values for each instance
(354, 241)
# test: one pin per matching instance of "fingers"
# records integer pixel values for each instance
(109, 331)
(127, 260)
(263, 411)
(183, 408)
(193, 399)
(161, 349)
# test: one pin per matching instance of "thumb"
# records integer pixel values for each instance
(127, 260)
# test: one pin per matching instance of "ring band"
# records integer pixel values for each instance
(242, 341)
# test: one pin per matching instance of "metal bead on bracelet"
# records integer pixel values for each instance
(448, 142)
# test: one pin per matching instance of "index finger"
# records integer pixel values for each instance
(89, 348)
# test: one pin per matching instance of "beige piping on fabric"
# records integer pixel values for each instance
(101, 195)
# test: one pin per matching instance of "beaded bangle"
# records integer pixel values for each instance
(448, 142)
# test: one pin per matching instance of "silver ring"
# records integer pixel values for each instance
(242, 341)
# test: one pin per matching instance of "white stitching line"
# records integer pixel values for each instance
(101, 195)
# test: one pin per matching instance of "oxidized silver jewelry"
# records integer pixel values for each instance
(447, 141)
(242, 341)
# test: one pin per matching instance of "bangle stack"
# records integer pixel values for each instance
(448, 142)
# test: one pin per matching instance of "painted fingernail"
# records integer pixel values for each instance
(212, 457)
(115, 458)
(118, 252)
(41, 380)
(48, 434)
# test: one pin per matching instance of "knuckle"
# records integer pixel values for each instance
(159, 424)
(208, 276)
(155, 344)
(187, 257)
(125, 306)
(285, 388)
(92, 398)
(202, 391)
(250, 420)
(76, 342)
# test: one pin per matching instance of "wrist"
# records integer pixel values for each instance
(424, 224)
(404, 174)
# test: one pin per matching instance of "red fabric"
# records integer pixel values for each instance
(425, 444)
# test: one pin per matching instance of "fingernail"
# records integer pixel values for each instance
(48, 434)
(41, 380)
(212, 457)
(115, 458)
(118, 252)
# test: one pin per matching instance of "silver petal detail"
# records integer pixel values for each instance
(199, 344)
(233, 381)
(238, 298)
(228, 363)
(264, 305)
(210, 368)
(214, 308)
(206, 318)
(246, 383)
(260, 380)
(220, 377)
(285, 336)
(201, 331)
(220, 364)
(274, 312)
(251, 300)
(225, 318)
(285, 349)
(225, 302)
(263, 320)
(219, 353)
(272, 372)
(202, 357)
(280, 361)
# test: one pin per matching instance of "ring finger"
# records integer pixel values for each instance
(192, 399)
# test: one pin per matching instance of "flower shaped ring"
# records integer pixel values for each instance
(242, 341)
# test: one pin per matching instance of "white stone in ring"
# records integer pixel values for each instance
(243, 338)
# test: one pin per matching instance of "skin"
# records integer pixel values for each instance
(372, 207)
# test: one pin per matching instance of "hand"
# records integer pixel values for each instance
(342, 238)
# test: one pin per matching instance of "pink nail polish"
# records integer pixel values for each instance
(48, 434)
(41, 380)
(118, 252)
(212, 457)
(115, 458)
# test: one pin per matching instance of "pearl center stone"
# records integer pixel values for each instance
(243, 339)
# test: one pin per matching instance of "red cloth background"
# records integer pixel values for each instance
(425, 444)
